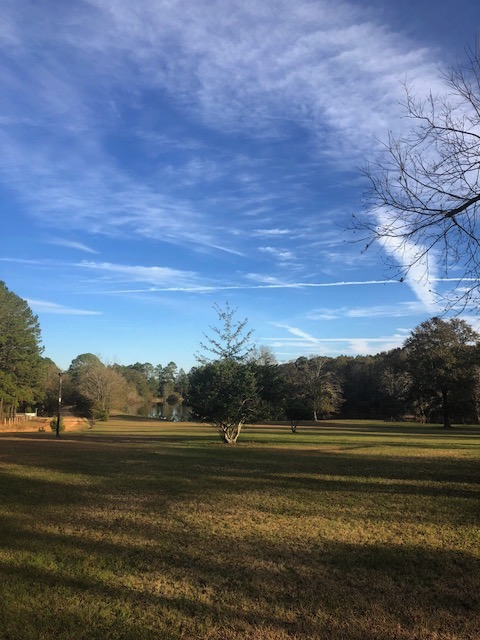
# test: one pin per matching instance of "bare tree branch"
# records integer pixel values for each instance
(425, 188)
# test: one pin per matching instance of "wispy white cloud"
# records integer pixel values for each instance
(296, 332)
(26, 261)
(311, 339)
(165, 278)
(71, 244)
(398, 310)
(345, 259)
(341, 283)
(285, 66)
(418, 264)
(291, 64)
(271, 232)
(455, 279)
(283, 255)
(105, 201)
(131, 273)
(263, 279)
(240, 71)
(327, 238)
(42, 306)
(311, 345)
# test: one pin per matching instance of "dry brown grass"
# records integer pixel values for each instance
(139, 529)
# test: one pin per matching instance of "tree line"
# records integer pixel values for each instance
(433, 377)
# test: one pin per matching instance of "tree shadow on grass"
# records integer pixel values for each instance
(102, 527)
(150, 467)
(192, 585)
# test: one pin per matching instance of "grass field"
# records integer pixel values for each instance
(140, 529)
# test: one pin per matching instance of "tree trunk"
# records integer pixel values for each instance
(230, 433)
(446, 409)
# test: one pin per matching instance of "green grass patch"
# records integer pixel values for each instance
(139, 529)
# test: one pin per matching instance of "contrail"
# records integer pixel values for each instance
(281, 285)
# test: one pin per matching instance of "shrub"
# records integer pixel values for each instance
(53, 424)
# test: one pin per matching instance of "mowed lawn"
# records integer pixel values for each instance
(145, 529)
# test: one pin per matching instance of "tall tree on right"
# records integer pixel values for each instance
(424, 194)
(441, 359)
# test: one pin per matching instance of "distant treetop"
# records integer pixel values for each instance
(230, 340)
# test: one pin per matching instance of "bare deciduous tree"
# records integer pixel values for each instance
(104, 388)
(424, 195)
(312, 382)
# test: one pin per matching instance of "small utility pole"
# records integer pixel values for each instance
(57, 431)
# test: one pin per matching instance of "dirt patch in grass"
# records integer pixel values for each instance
(43, 424)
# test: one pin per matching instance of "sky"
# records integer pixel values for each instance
(162, 156)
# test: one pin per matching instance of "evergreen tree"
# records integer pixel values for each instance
(229, 340)
(224, 393)
(441, 358)
(224, 390)
(20, 353)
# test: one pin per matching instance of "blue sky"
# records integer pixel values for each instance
(162, 156)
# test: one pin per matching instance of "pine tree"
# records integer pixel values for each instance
(20, 353)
